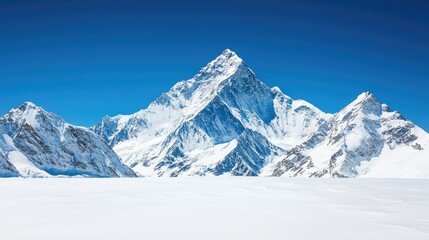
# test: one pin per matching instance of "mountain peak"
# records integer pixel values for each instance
(229, 53)
(32, 114)
(365, 95)
(365, 102)
(227, 58)
(365, 98)
(225, 65)
(27, 105)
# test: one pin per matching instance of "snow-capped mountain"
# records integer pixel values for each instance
(225, 121)
(221, 121)
(364, 139)
(36, 143)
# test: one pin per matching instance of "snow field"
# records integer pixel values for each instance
(214, 208)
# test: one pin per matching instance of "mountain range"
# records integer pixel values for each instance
(222, 121)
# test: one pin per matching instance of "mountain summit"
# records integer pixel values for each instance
(225, 121)
(222, 67)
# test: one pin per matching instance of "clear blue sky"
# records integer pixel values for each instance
(85, 59)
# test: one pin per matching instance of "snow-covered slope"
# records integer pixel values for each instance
(405, 151)
(225, 121)
(365, 138)
(36, 143)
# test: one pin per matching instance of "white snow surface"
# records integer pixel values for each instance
(214, 208)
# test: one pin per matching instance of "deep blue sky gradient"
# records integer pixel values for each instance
(85, 59)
